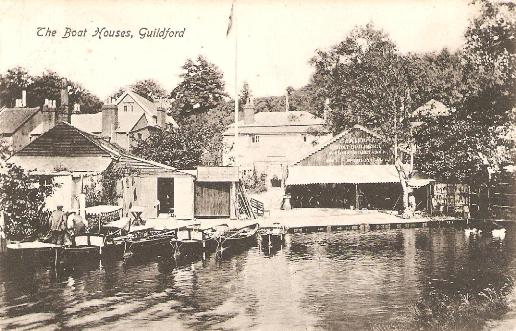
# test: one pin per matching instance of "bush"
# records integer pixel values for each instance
(255, 183)
(22, 199)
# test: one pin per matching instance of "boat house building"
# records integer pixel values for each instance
(354, 170)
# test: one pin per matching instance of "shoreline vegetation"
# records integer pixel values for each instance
(464, 311)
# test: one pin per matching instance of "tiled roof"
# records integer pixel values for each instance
(91, 123)
(277, 122)
(12, 118)
(47, 158)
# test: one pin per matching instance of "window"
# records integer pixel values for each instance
(304, 138)
(139, 136)
(125, 107)
(255, 139)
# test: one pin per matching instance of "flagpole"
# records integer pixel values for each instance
(234, 17)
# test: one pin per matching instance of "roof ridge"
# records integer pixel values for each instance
(94, 140)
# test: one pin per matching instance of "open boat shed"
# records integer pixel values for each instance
(355, 170)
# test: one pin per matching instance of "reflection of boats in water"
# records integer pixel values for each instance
(147, 242)
(274, 235)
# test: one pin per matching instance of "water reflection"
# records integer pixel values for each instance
(346, 280)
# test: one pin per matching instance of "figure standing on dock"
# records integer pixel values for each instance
(75, 225)
(57, 225)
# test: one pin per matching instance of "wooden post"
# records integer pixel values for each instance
(356, 197)
(233, 201)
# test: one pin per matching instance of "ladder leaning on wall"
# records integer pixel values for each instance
(244, 207)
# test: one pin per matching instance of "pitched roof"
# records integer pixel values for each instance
(128, 120)
(150, 108)
(91, 123)
(12, 118)
(277, 122)
(319, 147)
(54, 149)
(432, 108)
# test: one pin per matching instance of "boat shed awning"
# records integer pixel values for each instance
(344, 174)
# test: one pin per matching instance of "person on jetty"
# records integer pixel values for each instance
(76, 223)
(57, 225)
(75, 226)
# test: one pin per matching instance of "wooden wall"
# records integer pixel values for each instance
(212, 199)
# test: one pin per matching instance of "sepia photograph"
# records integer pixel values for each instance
(258, 165)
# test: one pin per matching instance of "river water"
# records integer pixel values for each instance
(328, 281)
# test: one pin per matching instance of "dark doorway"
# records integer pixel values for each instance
(166, 195)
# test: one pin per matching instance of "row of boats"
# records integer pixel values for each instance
(183, 242)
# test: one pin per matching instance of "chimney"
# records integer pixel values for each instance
(249, 112)
(64, 102)
(24, 98)
(49, 115)
(109, 121)
(162, 118)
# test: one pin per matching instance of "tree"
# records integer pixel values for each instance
(201, 88)
(149, 89)
(368, 82)
(22, 199)
(181, 148)
(489, 56)
(89, 102)
(46, 86)
(479, 85)
(11, 85)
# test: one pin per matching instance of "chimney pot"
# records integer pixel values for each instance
(24, 98)
(249, 112)
(109, 121)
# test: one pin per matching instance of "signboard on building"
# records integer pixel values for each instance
(355, 147)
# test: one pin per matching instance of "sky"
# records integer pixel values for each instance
(276, 39)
